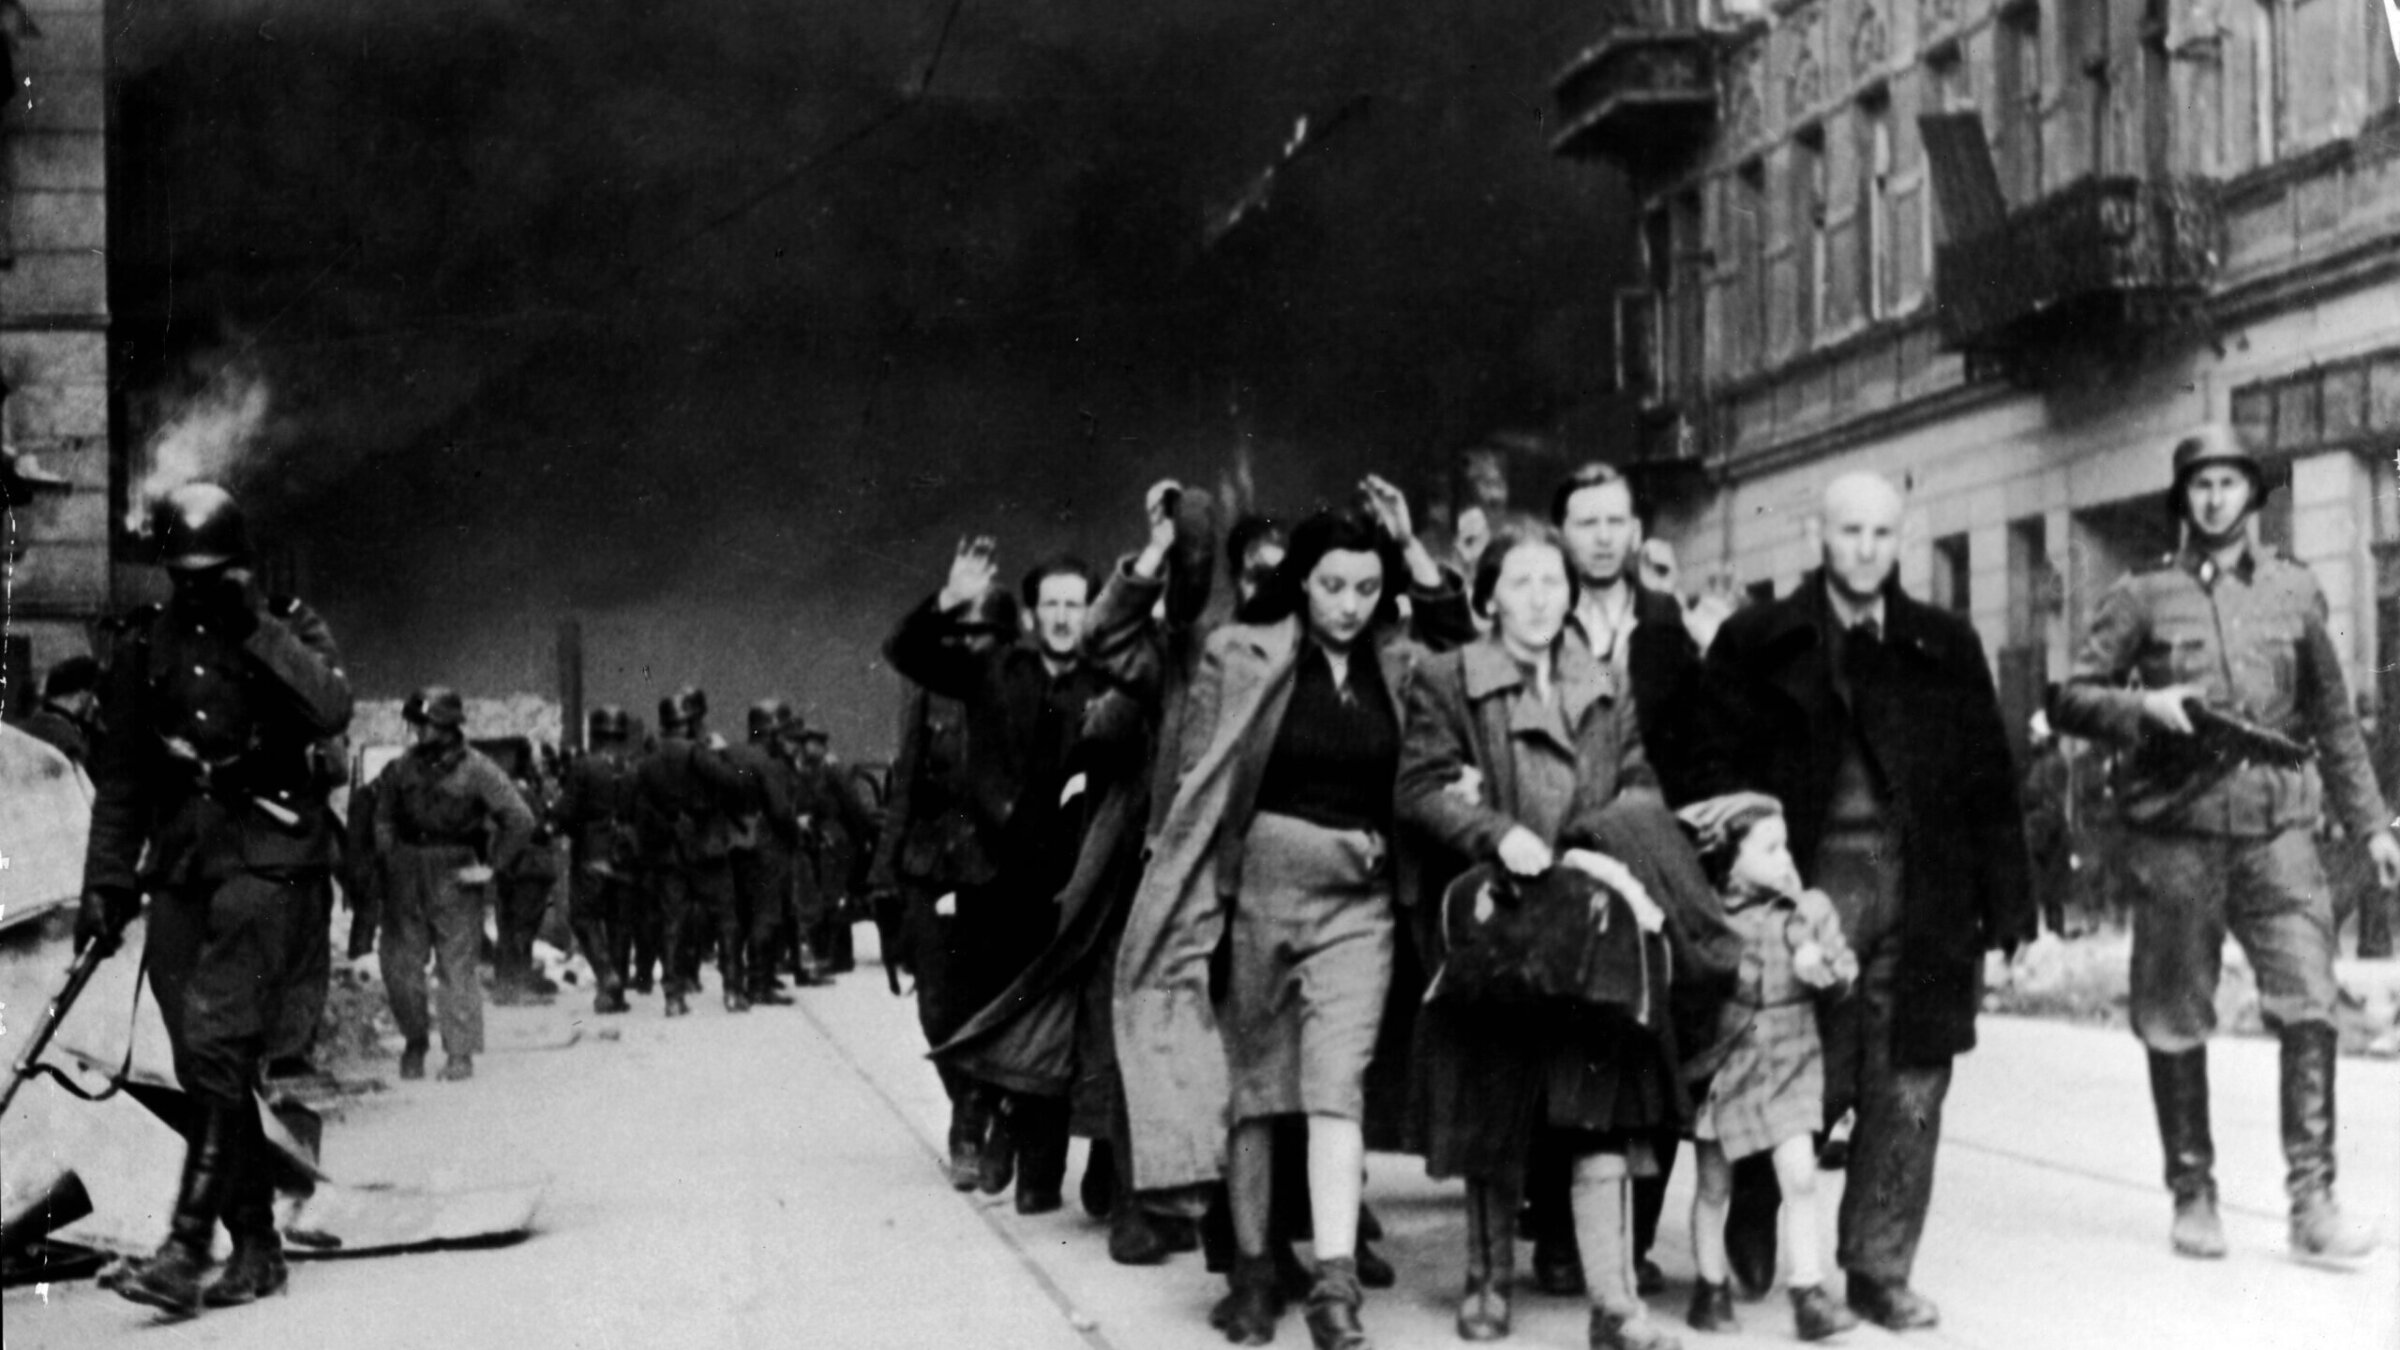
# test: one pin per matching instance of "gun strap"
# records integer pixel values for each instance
(117, 1077)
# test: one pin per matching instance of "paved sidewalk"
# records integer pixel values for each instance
(772, 1180)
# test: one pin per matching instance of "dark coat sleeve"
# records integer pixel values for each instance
(1725, 722)
(884, 874)
(293, 645)
(1993, 808)
(926, 649)
(1666, 684)
(123, 771)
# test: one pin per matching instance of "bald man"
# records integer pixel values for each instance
(1872, 718)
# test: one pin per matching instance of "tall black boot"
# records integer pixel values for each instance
(763, 989)
(2179, 1094)
(256, 1269)
(1041, 1135)
(170, 1280)
(2319, 1228)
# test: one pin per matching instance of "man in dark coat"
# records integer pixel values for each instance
(1024, 705)
(212, 799)
(767, 843)
(836, 834)
(1872, 718)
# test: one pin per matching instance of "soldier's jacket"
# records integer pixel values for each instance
(452, 796)
(2252, 638)
(684, 795)
(767, 804)
(596, 812)
(203, 728)
(836, 824)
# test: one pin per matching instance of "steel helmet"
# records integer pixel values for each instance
(198, 526)
(2214, 443)
(682, 708)
(608, 722)
(768, 717)
(435, 704)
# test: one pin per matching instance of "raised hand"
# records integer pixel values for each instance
(972, 572)
(1390, 506)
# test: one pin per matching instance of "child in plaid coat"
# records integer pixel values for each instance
(1768, 1090)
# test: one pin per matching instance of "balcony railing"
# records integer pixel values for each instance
(2102, 261)
(1644, 97)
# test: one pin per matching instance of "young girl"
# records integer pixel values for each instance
(1768, 1093)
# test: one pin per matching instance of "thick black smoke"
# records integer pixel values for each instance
(716, 323)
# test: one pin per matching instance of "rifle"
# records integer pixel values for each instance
(2238, 738)
(27, 1062)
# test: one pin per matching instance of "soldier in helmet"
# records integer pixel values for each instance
(2226, 634)
(767, 844)
(595, 812)
(684, 792)
(212, 800)
(445, 817)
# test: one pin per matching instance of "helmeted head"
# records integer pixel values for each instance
(609, 725)
(198, 528)
(815, 745)
(682, 711)
(435, 713)
(768, 717)
(2218, 482)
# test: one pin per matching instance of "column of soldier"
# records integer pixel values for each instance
(1485, 859)
(680, 849)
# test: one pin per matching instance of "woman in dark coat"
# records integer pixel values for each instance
(1522, 749)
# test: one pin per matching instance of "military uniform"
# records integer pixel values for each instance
(767, 856)
(442, 808)
(2218, 839)
(681, 794)
(524, 889)
(835, 830)
(212, 798)
(595, 811)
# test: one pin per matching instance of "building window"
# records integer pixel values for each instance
(2020, 102)
(1810, 194)
(1950, 576)
(1879, 283)
(1946, 91)
(2266, 78)
(1750, 255)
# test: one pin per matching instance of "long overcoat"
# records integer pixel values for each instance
(1770, 720)
(1486, 1081)
(1177, 1086)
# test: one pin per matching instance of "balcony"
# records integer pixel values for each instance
(2102, 265)
(1643, 98)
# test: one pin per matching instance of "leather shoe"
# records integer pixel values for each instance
(1557, 1268)
(1483, 1314)
(1333, 1307)
(676, 1007)
(1648, 1279)
(1248, 1312)
(1712, 1308)
(1039, 1202)
(1133, 1236)
(412, 1061)
(168, 1281)
(458, 1068)
(1891, 1305)
(1816, 1316)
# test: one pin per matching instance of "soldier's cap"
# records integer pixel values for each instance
(2215, 443)
(434, 705)
(769, 716)
(610, 720)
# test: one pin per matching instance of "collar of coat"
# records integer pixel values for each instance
(1803, 618)
(1582, 680)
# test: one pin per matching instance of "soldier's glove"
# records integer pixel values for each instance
(100, 920)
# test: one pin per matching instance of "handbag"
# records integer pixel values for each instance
(1563, 940)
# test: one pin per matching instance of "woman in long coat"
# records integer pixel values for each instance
(1279, 833)
(1522, 749)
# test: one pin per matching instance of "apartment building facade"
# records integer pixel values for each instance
(2005, 251)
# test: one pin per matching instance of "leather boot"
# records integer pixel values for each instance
(2320, 1231)
(968, 1124)
(256, 1269)
(1483, 1311)
(1333, 1305)
(1040, 1130)
(764, 991)
(2179, 1094)
(1099, 1189)
(1248, 1312)
(170, 1280)
(999, 1164)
